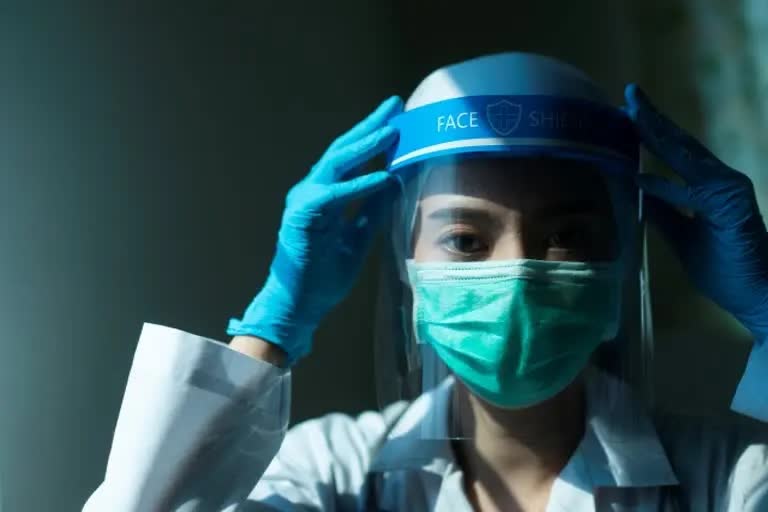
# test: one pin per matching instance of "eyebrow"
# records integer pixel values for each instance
(571, 208)
(466, 214)
(479, 215)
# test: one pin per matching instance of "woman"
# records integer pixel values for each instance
(514, 238)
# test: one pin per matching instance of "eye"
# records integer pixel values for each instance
(570, 237)
(463, 244)
(586, 239)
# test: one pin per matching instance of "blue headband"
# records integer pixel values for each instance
(524, 125)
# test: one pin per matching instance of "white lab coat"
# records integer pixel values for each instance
(197, 431)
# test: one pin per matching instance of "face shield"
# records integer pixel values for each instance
(514, 263)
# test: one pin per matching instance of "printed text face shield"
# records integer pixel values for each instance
(513, 274)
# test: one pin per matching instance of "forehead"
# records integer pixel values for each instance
(516, 183)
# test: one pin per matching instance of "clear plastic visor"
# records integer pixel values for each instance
(510, 284)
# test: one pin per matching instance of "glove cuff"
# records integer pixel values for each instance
(271, 317)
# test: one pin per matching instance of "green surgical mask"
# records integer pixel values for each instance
(517, 332)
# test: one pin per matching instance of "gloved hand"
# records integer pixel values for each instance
(724, 245)
(319, 252)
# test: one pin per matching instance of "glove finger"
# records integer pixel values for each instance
(673, 225)
(378, 118)
(339, 163)
(687, 157)
(662, 188)
(346, 191)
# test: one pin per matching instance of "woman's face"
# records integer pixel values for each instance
(502, 209)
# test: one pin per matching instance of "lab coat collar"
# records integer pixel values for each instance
(419, 439)
(620, 447)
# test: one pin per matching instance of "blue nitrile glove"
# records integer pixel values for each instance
(319, 251)
(724, 245)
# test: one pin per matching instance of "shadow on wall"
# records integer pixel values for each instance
(146, 152)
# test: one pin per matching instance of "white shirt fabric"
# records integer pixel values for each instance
(200, 429)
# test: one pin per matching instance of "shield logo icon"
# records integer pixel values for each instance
(504, 116)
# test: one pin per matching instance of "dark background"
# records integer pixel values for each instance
(145, 150)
